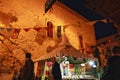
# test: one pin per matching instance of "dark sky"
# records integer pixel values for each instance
(101, 29)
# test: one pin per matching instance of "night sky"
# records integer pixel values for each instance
(101, 29)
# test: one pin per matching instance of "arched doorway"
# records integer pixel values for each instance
(49, 29)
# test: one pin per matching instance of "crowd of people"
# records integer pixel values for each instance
(111, 72)
(108, 56)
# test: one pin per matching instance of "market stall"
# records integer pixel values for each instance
(79, 68)
(73, 63)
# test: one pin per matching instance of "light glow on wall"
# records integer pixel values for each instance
(2, 25)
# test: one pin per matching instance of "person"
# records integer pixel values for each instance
(27, 72)
(56, 71)
(113, 68)
(15, 76)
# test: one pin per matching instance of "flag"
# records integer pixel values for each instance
(37, 29)
(27, 29)
(15, 33)
(6, 32)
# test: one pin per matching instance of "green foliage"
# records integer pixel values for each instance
(74, 60)
(117, 37)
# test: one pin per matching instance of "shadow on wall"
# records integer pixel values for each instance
(7, 18)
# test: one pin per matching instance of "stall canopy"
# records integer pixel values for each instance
(64, 49)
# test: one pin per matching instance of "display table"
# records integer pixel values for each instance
(79, 77)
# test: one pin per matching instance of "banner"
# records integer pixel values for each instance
(14, 32)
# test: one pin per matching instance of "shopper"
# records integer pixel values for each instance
(56, 71)
(27, 72)
(113, 68)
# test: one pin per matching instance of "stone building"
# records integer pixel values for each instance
(39, 31)
(79, 30)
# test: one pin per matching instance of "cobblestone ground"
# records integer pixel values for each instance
(5, 76)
